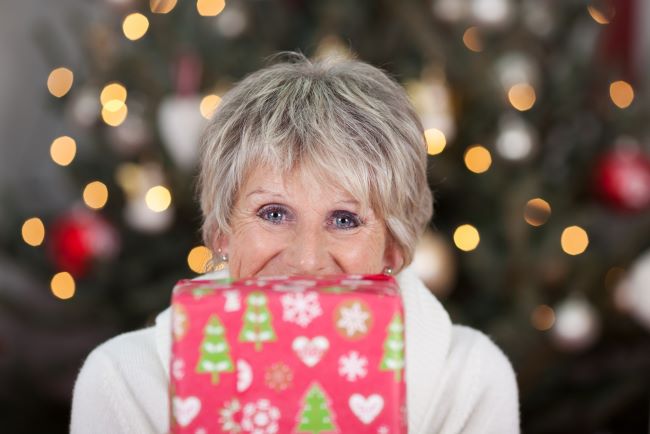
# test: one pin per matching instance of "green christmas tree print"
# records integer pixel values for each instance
(215, 351)
(257, 321)
(393, 358)
(316, 416)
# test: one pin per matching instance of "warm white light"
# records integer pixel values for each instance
(199, 258)
(158, 198)
(436, 141)
(466, 237)
(478, 159)
(95, 195)
(60, 81)
(33, 231)
(574, 240)
(135, 26)
(63, 150)
(63, 285)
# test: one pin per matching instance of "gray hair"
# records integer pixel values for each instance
(345, 119)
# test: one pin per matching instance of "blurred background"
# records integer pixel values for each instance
(538, 129)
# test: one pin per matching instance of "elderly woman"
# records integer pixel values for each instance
(315, 167)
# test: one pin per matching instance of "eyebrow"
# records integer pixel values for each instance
(260, 191)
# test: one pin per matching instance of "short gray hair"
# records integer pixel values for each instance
(343, 118)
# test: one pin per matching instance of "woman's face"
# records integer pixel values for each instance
(296, 223)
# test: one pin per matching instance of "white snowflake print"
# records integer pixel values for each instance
(201, 431)
(227, 417)
(353, 319)
(383, 430)
(300, 308)
(352, 366)
(260, 418)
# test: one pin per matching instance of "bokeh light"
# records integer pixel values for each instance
(210, 8)
(209, 103)
(621, 93)
(63, 285)
(472, 39)
(115, 118)
(522, 96)
(436, 141)
(158, 198)
(63, 150)
(95, 195)
(33, 231)
(199, 258)
(466, 237)
(60, 81)
(478, 159)
(113, 96)
(135, 26)
(162, 6)
(537, 212)
(602, 11)
(542, 317)
(574, 240)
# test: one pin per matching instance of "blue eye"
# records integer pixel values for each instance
(273, 214)
(345, 220)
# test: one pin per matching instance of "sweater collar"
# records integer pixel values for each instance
(428, 335)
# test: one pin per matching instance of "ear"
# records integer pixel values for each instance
(393, 256)
(220, 242)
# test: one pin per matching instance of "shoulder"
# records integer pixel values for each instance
(127, 351)
(482, 377)
(122, 386)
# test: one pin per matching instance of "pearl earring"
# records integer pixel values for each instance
(388, 271)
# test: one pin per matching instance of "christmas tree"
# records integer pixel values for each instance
(535, 117)
(393, 357)
(257, 326)
(215, 351)
(316, 414)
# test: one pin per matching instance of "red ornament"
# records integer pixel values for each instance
(623, 179)
(79, 237)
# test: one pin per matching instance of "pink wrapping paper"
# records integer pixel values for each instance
(288, 355)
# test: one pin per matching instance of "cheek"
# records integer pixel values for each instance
(362, 255)
(251, 246)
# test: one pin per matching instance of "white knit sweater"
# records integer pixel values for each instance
(458, 380)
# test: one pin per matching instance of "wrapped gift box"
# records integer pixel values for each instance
(288, 355)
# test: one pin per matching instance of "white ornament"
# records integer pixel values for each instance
(301, 308)
(180, 123)
(366, 409)
(244, 375)
(231, 22)
(186, 409)
(491, 12)
(310, 351)
(576, 324)
(633, 292)
(450, 10)
(516, 139)
(352, 366)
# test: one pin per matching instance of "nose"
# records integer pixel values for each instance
(308, 253)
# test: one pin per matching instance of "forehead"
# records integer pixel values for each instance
(272, 181)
